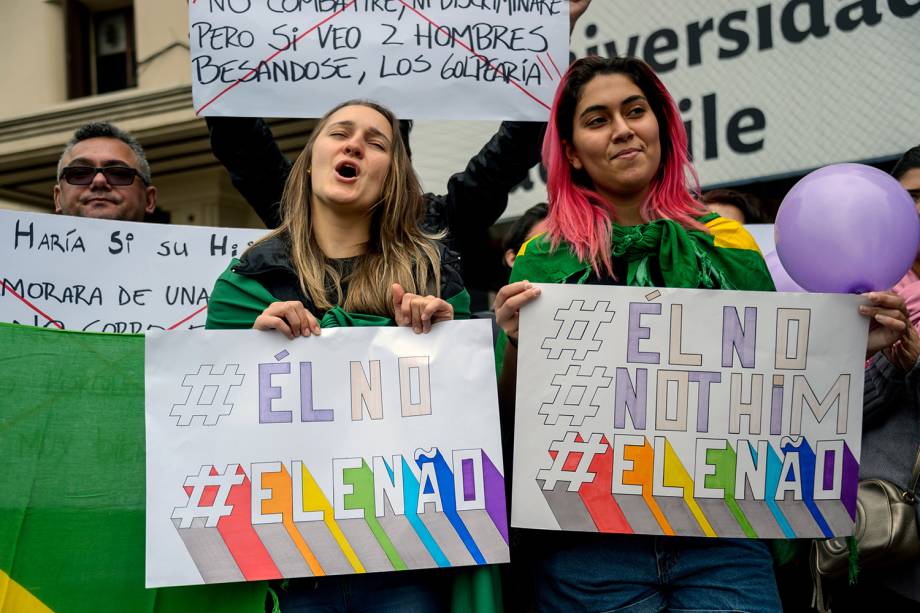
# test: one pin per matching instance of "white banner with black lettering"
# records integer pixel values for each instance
(436, 59)
(766, 89)
(98, 275)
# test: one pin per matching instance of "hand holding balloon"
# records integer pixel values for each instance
(889, 320)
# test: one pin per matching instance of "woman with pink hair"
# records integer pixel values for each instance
(622, 213)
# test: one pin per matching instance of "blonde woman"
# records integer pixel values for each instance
(349, 252)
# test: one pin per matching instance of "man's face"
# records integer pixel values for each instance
(100, 199)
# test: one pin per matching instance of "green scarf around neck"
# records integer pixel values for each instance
(660, 252)
(237, 301)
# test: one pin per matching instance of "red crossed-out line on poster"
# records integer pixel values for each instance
(273, 55)
(554, 65)
(440, 28)
(545, 68)
(6, 286)
(478, 55)
(185, 319)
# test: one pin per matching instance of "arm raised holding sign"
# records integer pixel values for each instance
(475, 197)
(474, 200)
(350, 249)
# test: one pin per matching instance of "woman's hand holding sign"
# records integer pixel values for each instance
(291, 318)
(419, 312)
(508, 305)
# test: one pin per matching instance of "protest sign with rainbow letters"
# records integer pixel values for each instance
(689, 412)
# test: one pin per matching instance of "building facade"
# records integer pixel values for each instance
(68, 62)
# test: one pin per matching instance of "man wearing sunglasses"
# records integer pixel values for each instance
(103, 173)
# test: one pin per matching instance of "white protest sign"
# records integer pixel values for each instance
(434, 59)
(688, 412)
(110, 276)
(762, 233)
(362, 450)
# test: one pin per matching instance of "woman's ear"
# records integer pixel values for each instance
(570, 154)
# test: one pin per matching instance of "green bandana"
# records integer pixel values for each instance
(237, 301)
(726, 257)
(72, 487)
(661, 249)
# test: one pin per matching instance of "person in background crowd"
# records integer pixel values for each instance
(475, 198)
(525, 227)
(350, 251)
(733, 205)
(621, 213)
(907, 172)
(103, 173)
(891, 432)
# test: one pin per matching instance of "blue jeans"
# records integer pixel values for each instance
(417, 591)
(645, 574)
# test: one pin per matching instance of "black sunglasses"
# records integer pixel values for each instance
(115, 175)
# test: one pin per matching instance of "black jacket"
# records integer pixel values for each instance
(475, 198)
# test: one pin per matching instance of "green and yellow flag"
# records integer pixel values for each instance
(661, 252)
(72, 483)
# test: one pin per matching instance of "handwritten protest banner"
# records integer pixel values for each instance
(363, 450)
(110, 276)
(425, 59)
(688, 412)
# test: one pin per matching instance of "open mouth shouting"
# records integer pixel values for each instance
(347, 170)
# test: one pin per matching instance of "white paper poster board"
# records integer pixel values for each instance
(110, 276)
(688, 412)
(434, 59)
(362, 450)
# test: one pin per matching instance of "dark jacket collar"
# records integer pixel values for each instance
(272, 255)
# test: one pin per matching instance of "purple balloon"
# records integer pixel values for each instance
(847, 228)
(781, 278)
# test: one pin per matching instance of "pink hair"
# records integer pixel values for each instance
(577, 213)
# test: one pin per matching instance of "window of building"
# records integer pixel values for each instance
(100, 46)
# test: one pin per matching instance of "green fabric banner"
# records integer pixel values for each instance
(72, 488)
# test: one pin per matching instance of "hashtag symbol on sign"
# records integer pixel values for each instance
(207, 396)
(208, 487)
(571, 461)
(575, 394)
(577, 331)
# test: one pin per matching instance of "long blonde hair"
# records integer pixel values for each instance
(398, 250)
